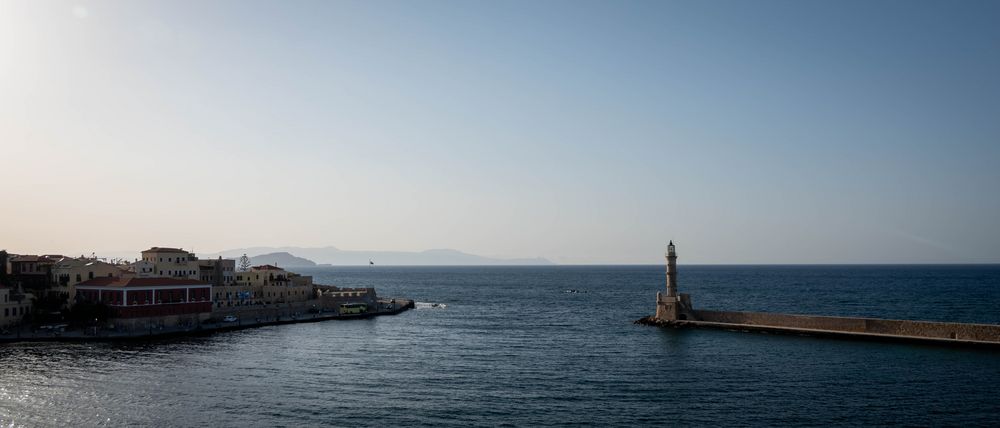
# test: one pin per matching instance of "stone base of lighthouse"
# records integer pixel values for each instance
(673, 308)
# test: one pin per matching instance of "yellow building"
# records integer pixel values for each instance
(172, 262)
(264, 285)
(67, 272)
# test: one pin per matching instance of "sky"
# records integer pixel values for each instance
(579, 131)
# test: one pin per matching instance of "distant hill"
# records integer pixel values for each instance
(280, 259)
(338, 257)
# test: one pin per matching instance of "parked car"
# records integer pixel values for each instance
(230, 318)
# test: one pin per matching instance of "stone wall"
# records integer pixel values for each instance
(981, 332)
(784, 320)
(267, 312)
(926, 329)
(332, 298)
(150, 323)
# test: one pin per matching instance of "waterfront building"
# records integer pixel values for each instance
(178, 263)
(142, 269)
(13, 307)
(31, 272)
(67, 272)
(265, 284)
(264, 275)
(172, 262)
(217, 272)
(141, 302)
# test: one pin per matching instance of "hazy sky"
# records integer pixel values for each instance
(584, 132)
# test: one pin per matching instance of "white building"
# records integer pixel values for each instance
(142, 268)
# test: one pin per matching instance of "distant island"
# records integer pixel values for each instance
(332, 256)
(282, 259)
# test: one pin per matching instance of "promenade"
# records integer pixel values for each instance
(246, 319)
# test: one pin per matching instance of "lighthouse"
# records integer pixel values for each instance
(672, 306)
(671, 270)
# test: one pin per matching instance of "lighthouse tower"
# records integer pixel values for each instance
(671, 270)
(672, 307)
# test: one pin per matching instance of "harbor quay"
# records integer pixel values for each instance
(166, 292)
(675, 310)
(151, 329)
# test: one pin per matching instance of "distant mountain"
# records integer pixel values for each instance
(338, 257)
(280, 259)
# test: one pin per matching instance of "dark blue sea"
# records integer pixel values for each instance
(512, 347)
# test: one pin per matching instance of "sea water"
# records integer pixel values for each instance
(541, 346)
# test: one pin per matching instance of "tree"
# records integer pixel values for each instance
(244, 263)
(47, 308)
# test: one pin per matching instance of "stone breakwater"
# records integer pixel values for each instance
(943, 333)
(674, 309)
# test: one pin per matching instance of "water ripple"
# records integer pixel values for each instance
(513, 349)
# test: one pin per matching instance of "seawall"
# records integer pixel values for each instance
(203, 329)
(845, 327)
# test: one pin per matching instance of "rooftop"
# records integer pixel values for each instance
(31, 258)
(164, 250)
(139, 282)
(266, 267)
